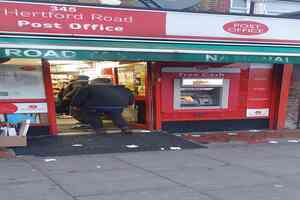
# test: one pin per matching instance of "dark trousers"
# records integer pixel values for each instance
(63, 107)
(93, 117)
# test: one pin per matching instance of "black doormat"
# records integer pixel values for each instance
(98, 144)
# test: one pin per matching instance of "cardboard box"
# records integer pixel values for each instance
(13, 141)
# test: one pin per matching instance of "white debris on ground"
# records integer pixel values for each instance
(77, 145)
(50, 160)
(175, 148)
(98, 166)
(278, 186)
(273, 142)
(132, 146)
(294, 141)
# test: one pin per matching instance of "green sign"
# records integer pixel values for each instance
(144, 50)
(140, 56)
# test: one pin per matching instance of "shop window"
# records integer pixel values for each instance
(22, 84)
(201, 93)
(239, 6)
(242, 4)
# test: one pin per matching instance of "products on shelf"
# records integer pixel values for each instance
(10, 129)
(59, 81)
(133, 77)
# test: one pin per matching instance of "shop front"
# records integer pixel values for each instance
(219, 97)
(232, 74)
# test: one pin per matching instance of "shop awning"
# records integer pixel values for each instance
(145, 50)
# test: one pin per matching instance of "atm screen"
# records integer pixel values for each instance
(200, 97)
(198, 93)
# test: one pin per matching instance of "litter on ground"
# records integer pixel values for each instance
(132, 146)
(77, 145)
(50, 160)
(294, 141)
(175, 148)
(278, 186)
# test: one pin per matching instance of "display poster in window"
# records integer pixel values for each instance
(21, 82)
(126, 77)
(133, 77)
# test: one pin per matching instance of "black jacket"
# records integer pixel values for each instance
(102, 96)
(73, 88)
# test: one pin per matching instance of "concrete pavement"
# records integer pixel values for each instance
(221, 172)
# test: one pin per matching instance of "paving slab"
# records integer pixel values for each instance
(285, 149)
(293, 179)
(281, 149)
(216, 177)
(240, 152)
(223, 171)
(268, 158)
(159, 194)
(169, 160)
(91, 183)
(275, 191)
(277, 167)
(86, 163)
(13, 171)
(34, 190)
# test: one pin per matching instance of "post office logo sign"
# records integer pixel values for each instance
(245, 28)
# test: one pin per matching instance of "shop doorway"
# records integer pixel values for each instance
(30, 89)
(132, 75)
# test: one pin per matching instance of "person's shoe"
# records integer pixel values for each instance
(126, 131)
(80, 125)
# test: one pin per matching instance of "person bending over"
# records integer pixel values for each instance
(101, 97)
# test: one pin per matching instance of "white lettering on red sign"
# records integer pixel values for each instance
(201, 74)
(80, 21)
(36, 25)
(246, 28)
